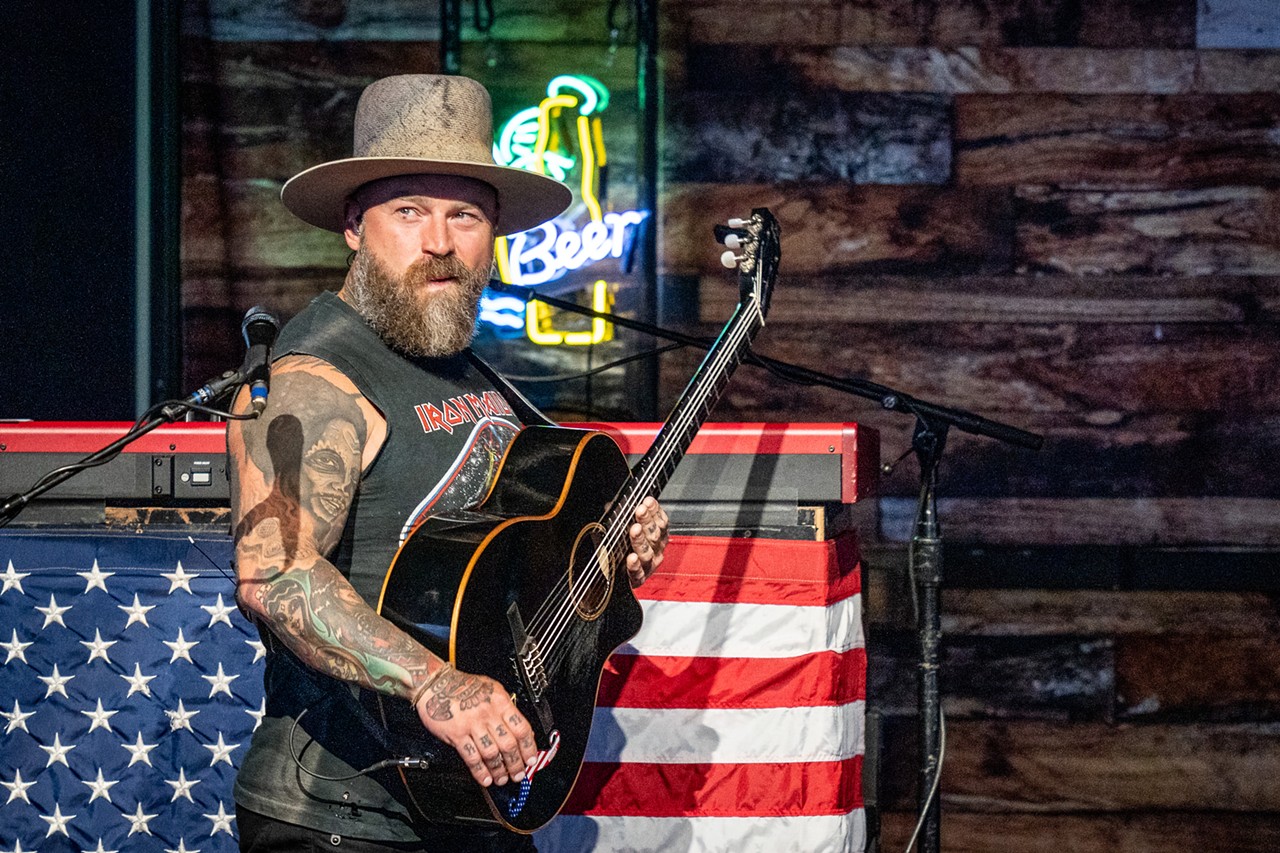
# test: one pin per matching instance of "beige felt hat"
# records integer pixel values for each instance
(424, 124)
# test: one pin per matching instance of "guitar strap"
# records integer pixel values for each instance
(526, 411)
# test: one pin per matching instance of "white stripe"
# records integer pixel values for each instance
(701, 629)
(808, 834)
(726, 736)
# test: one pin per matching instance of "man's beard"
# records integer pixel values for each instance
(409, 317)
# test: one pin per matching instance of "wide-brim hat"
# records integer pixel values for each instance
(424, 124)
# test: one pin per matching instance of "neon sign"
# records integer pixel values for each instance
(535, 139)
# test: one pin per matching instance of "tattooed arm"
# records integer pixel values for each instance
(295, 472)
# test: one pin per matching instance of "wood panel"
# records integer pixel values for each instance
(1036, 766)
(970, 69)
(852, 298)
(1059, 23)
(1237, 24)
(1060, 678)
(1118, 141)
(1223, 230)
(767, 133)
(1067, 368)
(1198, 674)
(1080, 833)
(832, 227)
(1173, 522)
(1142, 615)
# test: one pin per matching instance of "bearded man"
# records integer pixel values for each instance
(343, 463)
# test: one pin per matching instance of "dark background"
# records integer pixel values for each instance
(67, 186)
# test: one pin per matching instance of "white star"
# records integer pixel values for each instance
(16, 648)
(221, 751)
(53, 613)
(218, 612)
(97, 577)
(57, 821)
(182, 785)
(138, 681)
(99, 849)
(57, 752)
(137, 613)
(100, 719)
(181, 848)
(181, 718)
(17, 719)
(179, 577)
(13, 579)
(221, 820)
(56, 683)
(17, 848)
(138, 821)
(220, 683)
(259, 650)
(98, 646)
(258, 714)
(100, 787)
(181, 648)
(139, 751)
(17, 788)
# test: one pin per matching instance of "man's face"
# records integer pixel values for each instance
(424, 249)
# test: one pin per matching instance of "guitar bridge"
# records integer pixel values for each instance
(529, 666)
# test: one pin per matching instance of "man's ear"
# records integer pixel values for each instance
(352, 215)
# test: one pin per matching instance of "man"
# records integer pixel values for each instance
(343, 462)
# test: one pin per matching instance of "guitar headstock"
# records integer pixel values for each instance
(754, 248)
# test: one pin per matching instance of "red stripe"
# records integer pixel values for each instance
(718, 790)
(75, 437)
(822, 678)
(756, 571)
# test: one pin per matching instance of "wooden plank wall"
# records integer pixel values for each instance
(1062, 214)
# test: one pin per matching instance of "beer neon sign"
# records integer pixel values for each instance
(536, 139)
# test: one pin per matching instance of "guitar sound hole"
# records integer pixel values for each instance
(591, 575)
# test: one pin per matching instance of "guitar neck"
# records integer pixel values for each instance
(652, 473)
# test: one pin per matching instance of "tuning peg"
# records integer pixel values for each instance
(733, 241)
(739, 223)
(729, 259)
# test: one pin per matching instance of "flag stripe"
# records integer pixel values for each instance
(756, 571)
(700, 629)
(840, 833)
(718, 790)
(730, 736)
(821, 678)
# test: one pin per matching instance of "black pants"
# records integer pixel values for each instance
(261, 834)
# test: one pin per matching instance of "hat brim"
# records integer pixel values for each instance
(525, 199)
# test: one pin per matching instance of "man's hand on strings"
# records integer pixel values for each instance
(648, 541)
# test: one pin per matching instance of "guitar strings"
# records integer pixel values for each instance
(611, 548)
(614, 538)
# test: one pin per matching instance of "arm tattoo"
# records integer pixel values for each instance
(309, 454)
(467, 690)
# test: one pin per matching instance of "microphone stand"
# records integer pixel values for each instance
(928, 441)
(167, 414)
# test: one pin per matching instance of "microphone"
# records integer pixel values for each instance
(259, 329)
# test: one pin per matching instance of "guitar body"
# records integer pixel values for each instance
(518, 590)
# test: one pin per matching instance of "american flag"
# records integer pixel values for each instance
(131, 687)
(129, 690)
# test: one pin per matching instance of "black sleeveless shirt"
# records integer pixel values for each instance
(447, 428)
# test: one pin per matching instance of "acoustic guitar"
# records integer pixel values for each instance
(530, 587)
